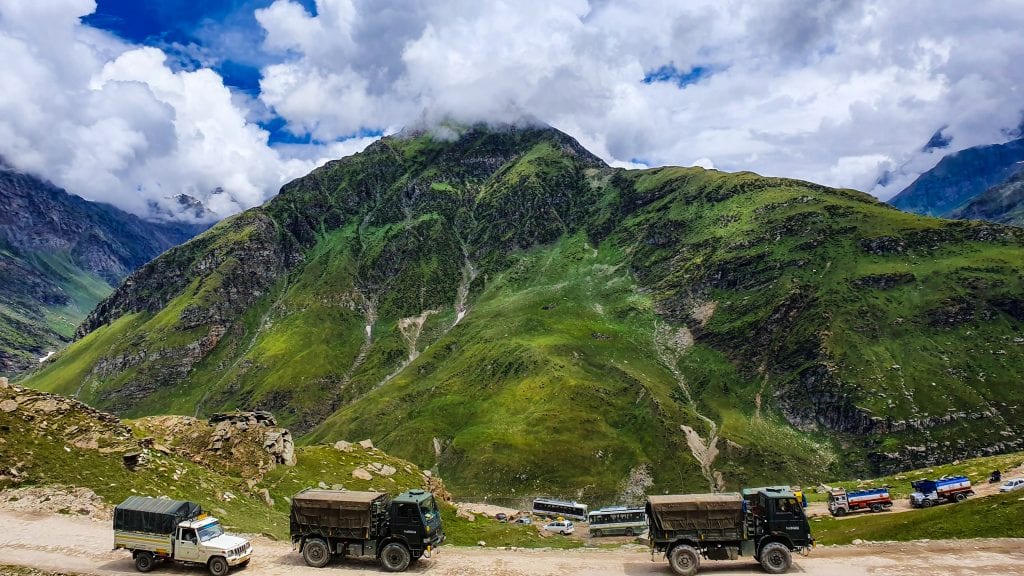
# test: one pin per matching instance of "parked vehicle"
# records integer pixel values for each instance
(157, 529)
(559, 509)
(841, 502)
(1012, 484)
(617, 520)
(995, 477)
(560, 527)
(524, 520)
(395, 531)
(946, 489)
(769, 527)
(501, 517)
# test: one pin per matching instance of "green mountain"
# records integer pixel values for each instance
(506, 309)
(959, 178)
(59, 256)
(1003, 203)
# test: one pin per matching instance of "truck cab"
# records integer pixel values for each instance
(416, 519)
(779, 516)
(198, 541)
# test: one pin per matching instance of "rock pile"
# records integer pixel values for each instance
(277, 441)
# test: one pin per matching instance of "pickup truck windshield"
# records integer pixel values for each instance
(210, 531)
(429, 509)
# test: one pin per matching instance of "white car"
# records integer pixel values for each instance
(1012, 484)
(560, 527)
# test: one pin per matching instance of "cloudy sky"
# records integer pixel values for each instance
(132, 101)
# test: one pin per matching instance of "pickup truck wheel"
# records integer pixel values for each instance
(960, 497)
(316, 553)
(144, 561)
(218, 566)
(684, 560)
(394, 558)
(775, 558)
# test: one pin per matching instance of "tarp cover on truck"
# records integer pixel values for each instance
(153, 515)
(696, 511)
(333, 509)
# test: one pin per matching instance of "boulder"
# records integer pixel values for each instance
(386, 470)
(367, 444)
(9, 405)
(343, 446)
(362, 474)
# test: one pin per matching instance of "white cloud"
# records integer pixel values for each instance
(834, 91)
(113, 122)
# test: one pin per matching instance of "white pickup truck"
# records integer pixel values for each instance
(158, 529)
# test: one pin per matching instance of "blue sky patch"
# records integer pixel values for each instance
(669, 73)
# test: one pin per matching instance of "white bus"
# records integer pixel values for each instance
(555, 508)
(617, 520)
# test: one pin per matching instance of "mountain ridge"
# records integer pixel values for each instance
(67, 253)
(959, 178)
(492, 305)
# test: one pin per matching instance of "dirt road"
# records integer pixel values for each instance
(81, 545)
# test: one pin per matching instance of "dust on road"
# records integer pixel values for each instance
(83, 546)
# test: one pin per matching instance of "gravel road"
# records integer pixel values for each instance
(81, 545)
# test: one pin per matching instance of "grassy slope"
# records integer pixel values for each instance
(46, 455)
(553, 382)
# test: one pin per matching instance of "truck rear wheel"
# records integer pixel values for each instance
(144, 561)
(960, 497)
(876, 507)
(218, 566)
(775, 558)
(684, 560)
(394, 558)
(316, 553)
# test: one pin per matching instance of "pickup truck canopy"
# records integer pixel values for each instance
(153, 515)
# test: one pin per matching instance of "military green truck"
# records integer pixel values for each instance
(768, 526)
(397, 532)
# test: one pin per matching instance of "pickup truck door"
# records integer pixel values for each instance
(186, 546)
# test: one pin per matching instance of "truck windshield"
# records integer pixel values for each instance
(429, 509)
(210, 531)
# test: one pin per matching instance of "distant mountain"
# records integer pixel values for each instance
(499, 305)
(1003, 203)
(959, 178)
(59, 256)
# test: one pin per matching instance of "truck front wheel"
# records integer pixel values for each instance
(144, 561)
(316, 553)
(839, 512)
(218, 566)
(684, 560)
(394, 558)
(926, 503)
(775, 558)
